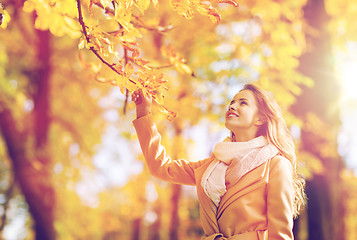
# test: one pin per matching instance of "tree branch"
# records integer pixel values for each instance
(126, 90)
(139, 23)
(160, 29)
(81, 22)
(126, 48)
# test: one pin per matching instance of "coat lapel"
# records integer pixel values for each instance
(249, 182)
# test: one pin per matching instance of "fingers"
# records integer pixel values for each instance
(135, 97)
(138, 96)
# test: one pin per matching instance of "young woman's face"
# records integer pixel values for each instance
(242, 113)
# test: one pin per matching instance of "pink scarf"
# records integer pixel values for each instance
(232, 161)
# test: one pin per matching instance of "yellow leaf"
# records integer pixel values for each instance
(129, 70)
(183, 7)
(5, 18)
(82, 43)
(122, 14)
(111, 49)
(130, 86)
(142, 5)
(125, 83)
(96, 67)
(105, 3)
(155, 2)
(183, 68)
(72, 27)
(159, 98)
(28, 6)
(120, 80)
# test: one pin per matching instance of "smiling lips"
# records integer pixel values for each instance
(231, 115)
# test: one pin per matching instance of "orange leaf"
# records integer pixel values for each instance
(232, 2)
(136, 53)
(118, 33)
(208, 10)
(129, 70)
(119, 67)
(129, 46)
(183, 7)
(169, 114)
(141, 61)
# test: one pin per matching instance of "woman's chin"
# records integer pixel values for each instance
(229, 125)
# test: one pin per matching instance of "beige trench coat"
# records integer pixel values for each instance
(258, 207)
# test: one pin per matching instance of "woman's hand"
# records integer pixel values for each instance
(142, 101)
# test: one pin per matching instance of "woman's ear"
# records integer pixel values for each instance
(260, 121)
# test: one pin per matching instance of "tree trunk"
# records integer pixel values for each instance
(325, 220)
(154, 230)
(32, 171)
(175, 220)
(136, 229)
(44, 221)
(176, 189)
(318, 210)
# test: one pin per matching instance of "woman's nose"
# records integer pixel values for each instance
(232, 107)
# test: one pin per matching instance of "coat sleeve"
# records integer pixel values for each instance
(159, 163)
(280, 196)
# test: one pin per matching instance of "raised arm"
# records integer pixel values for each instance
(280, 195)
(159, 163)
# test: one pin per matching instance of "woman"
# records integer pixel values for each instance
(248, 189)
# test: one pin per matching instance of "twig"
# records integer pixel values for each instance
(91, 48)
(139, 22)
(126, 89)
(159, 29)
(111, 66)
(151, 67)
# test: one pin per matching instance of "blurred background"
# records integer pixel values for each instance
(70, 163)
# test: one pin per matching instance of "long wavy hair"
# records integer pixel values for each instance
(278, 134)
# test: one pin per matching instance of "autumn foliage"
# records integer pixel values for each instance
(70, 164)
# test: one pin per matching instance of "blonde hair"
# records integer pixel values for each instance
(278, 134)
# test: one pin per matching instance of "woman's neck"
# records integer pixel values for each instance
(243, 136)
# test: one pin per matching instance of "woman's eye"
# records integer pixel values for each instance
(243, 103)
